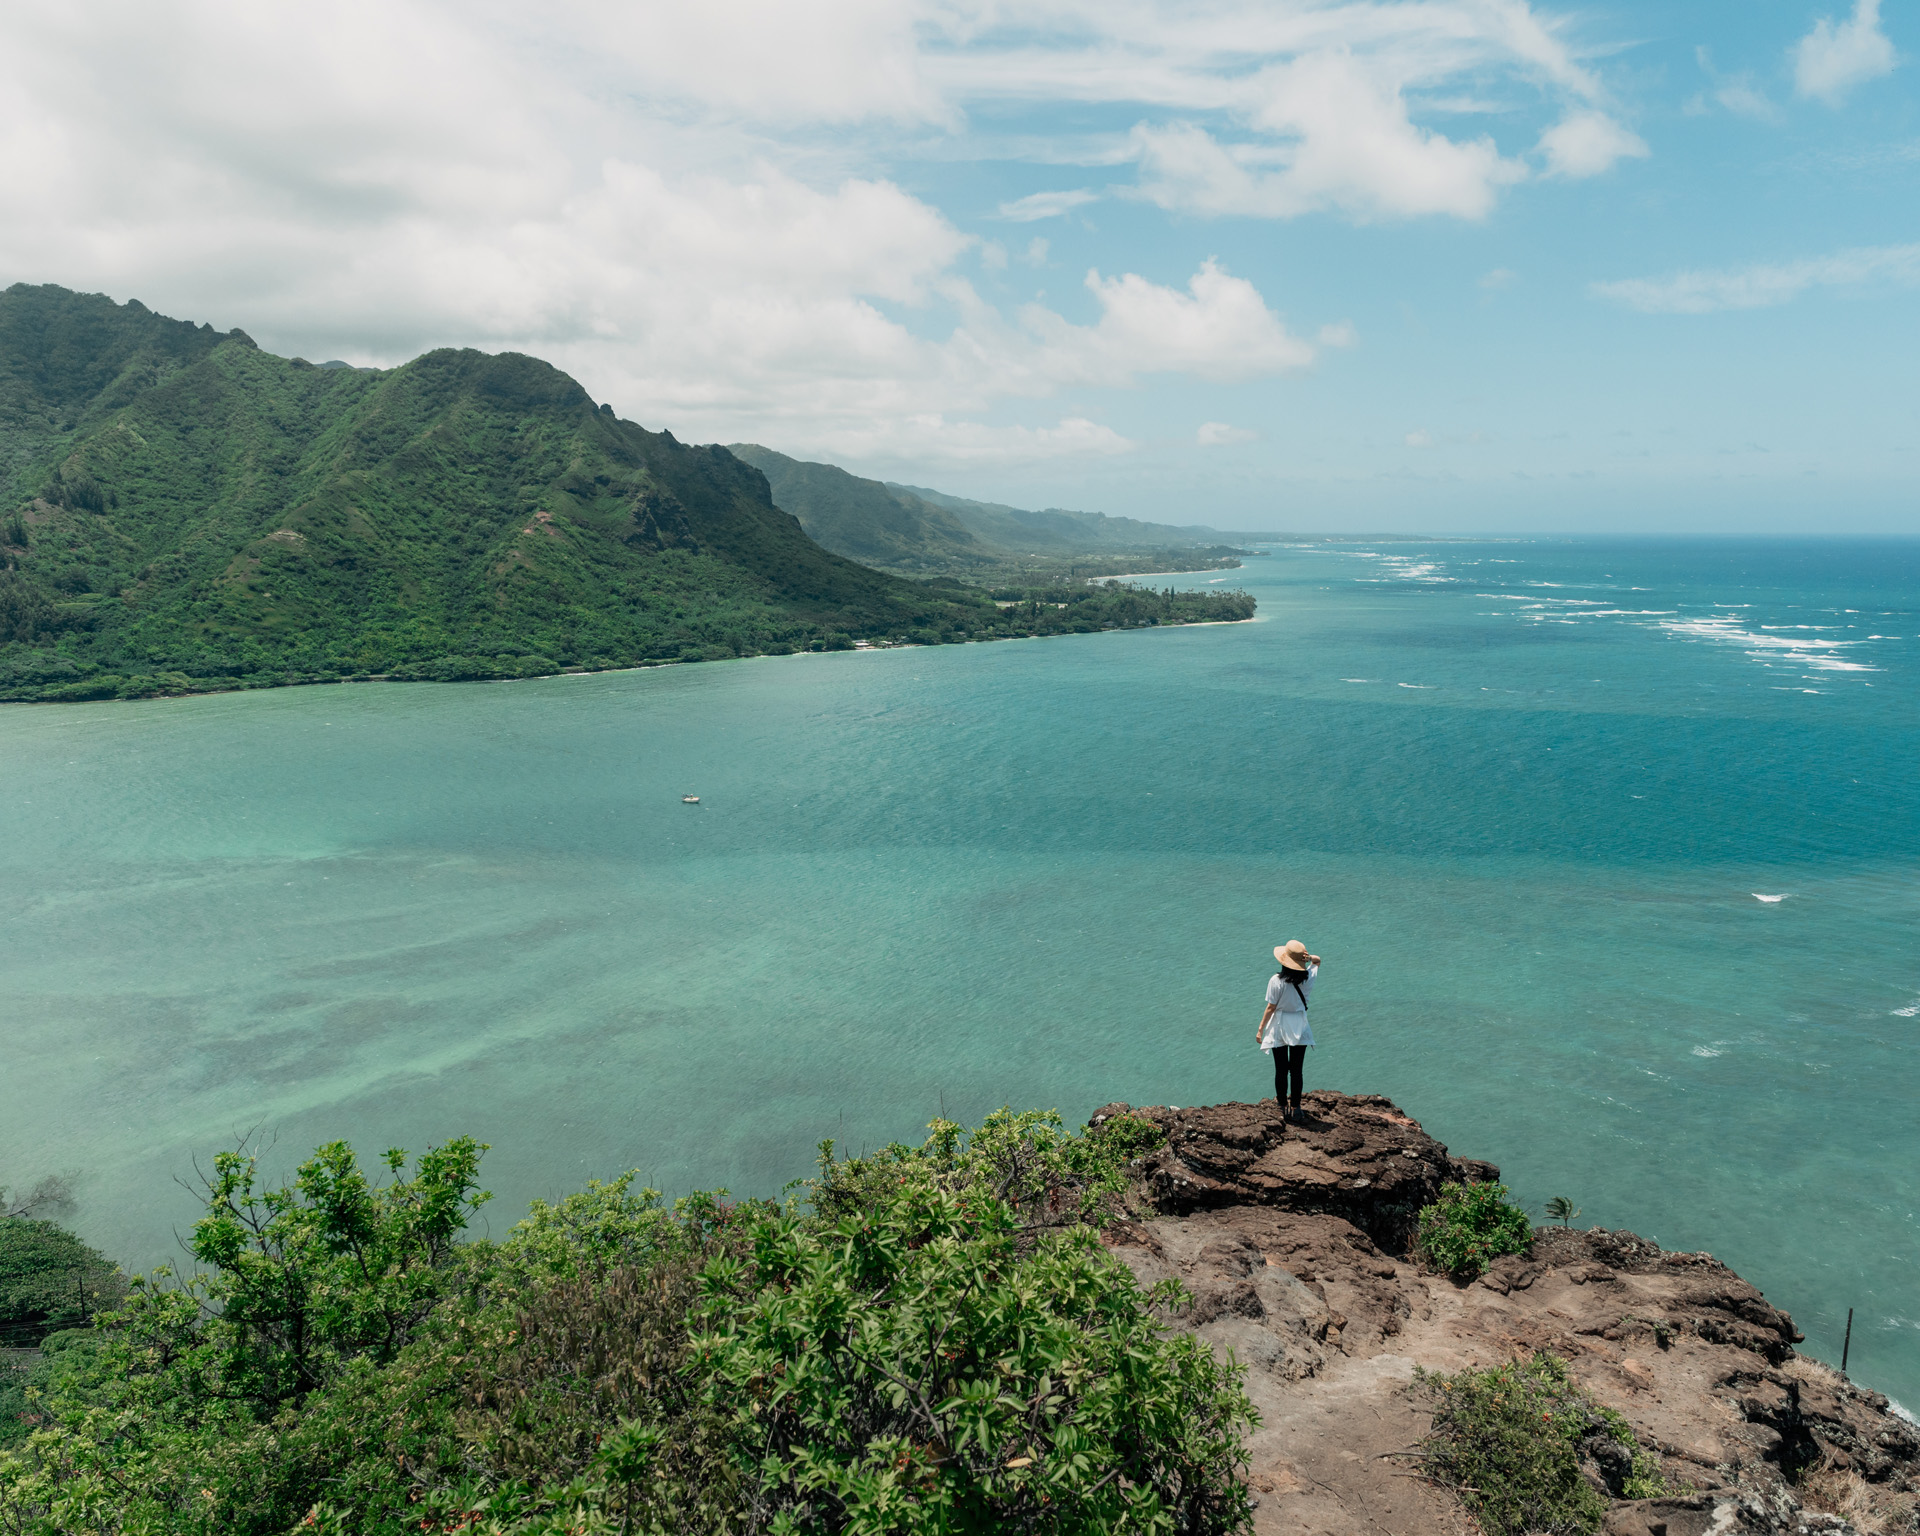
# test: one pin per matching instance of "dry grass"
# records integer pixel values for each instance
(1872, 1509)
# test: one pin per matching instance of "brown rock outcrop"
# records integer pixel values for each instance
(1296, 1244)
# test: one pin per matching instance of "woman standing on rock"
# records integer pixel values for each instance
(1283, 1031)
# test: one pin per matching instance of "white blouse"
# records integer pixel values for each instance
(1288, 1026)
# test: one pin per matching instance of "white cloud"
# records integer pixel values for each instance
(1420, 438)
(1735, 93)
(1743, 99)
(1220, 328)
(1762, 286)
(1217, 434)
(1587, 143)
(1339, 334)
(1354, 150)
(919, 439)
(1295, 106)
(763, 61)
(1836, 56)
(1273, 108)
(367, 182)
(1046, 205)
(689, 207)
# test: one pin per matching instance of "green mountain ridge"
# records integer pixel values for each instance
(184, 511)
(866, 520)
(915, 531)
(1056, 530)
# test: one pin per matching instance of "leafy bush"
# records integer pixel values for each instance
(320, 1348)
(919, 1367)
(309, 1277)
(592, 1404)
(1050, 1177)
(25, 1381)
(49, 1280)
(1515, 1443)
(344, 1363)
(1470, 1226)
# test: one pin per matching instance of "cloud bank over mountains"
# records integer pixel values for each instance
(688, 205)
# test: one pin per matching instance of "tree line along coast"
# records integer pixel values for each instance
(181, 511)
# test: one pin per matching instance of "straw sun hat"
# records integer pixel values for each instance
(1293, 955)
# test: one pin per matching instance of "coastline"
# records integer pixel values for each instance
(249, 686)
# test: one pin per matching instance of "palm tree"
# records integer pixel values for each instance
(1562, 1210)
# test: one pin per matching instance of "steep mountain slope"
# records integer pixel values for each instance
(184, 511)
(184, 503)
(911, 529)
(863, 519)
(1055, 530)
(68, 358)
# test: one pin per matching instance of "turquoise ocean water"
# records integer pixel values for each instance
(1523, 796)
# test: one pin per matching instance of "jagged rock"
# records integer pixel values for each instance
(1296, 1244)
(1357, 1157)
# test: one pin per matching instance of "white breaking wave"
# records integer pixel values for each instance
(1705, 1050)
(1758, 897)
(1910, 1012)
(1814, 650)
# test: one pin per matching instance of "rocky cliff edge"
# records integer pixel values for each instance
(1296, 1242)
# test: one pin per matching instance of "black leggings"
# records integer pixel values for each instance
(1288, 1062)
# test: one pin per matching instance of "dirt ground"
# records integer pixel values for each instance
(1295, 1242)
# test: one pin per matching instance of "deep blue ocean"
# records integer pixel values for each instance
(1612, 852)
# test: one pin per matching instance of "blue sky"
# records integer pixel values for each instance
(1453, 265)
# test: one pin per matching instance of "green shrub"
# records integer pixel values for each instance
(591, 1403)
(26, 1381)
(49, 1280)
(1470, 1226)
(925, 1365)
(307, 1278)
(1049, 1176)
(344, 1363)
(321, 1347)
(1515, 1443)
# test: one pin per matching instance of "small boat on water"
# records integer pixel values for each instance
(689, 799)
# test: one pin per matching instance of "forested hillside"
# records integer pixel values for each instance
(185, 511)
(866, 520)
(1055, 530)
(918, 532)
